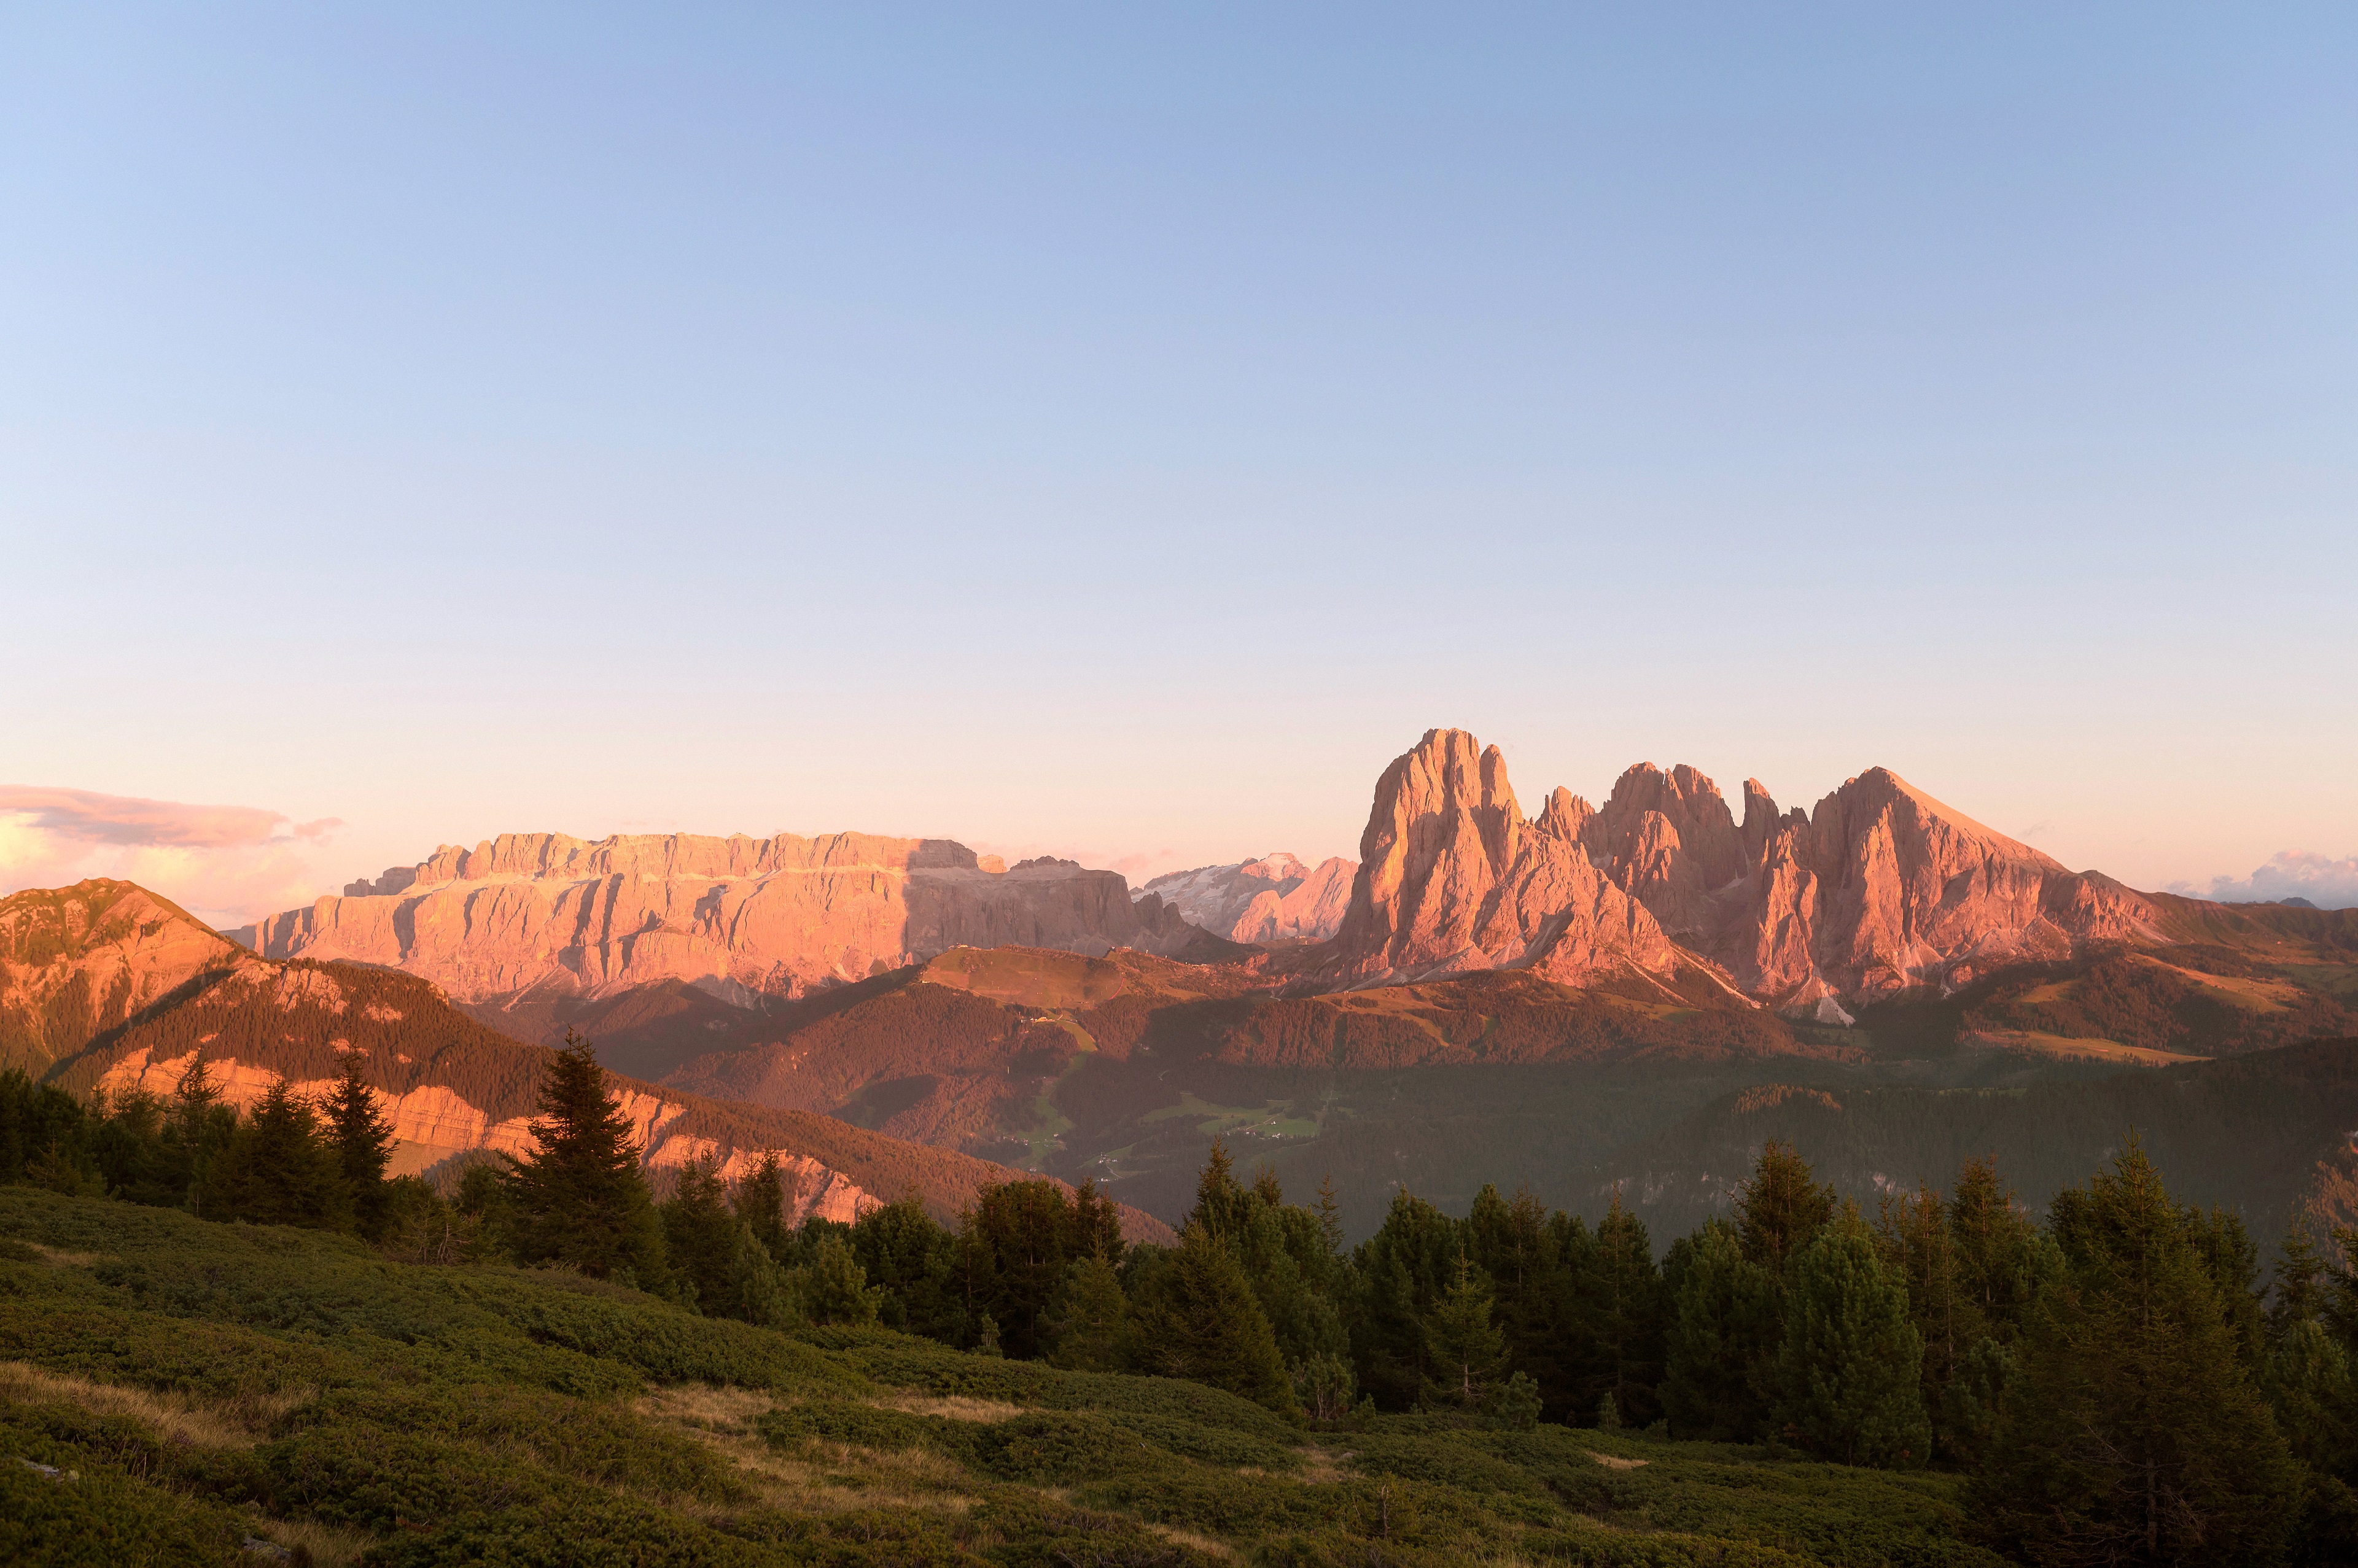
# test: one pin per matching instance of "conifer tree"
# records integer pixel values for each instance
(199, 1131)
(278, 1170)
(765, 1294)
(1780, 1207)
(1464, 1346)
(1723, 1342)
(2298, 1295)
(1092, 1319)
(1850, 1365)
(578, 1198)
(700, 1240)
(1621, 1312)
(1204, 1323)
(1219, 1201)
(1998, 1258)
(360, 1136)
(837, 1290)
(1399, 1273)
(2131, 1431)
(761, 1204)
(1330, 1214)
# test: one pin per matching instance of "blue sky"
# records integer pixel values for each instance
(1120, 436)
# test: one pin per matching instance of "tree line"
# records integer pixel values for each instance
(2116, 1379)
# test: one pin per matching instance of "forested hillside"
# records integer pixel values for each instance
(256, 1341)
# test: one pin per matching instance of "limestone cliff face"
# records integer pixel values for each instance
(1274, 899)
(1881, 888)
(743, 917)
(1452, 879)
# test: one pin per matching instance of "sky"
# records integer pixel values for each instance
(1118, 432)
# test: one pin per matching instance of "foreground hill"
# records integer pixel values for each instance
(212, 1394)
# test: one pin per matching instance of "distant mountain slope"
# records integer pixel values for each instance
(78, 960)
(451, 1084)
(2267, 1135)
(1274, 899)
(534, 913)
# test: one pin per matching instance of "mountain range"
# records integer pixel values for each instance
(1574, 1000)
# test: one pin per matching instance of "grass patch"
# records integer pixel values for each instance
(203, 1385)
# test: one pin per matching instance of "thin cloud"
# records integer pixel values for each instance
(2323, 880)
(85, 816)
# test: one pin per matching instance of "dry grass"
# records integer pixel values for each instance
(954, 1407)
(824, 1478)
(236, 1422)
(1615, 1461)
(707, 1407)
(1208, 1545)
(1318, 1466)
(330, 1545)
(59, 1258)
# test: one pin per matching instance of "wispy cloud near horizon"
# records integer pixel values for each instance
(86, 816)
(2325, 882)
(226, 863)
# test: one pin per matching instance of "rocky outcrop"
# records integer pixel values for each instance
(1452, 880)
(744, 918)
(1878, 888)
(1274, 899)
(79, 960)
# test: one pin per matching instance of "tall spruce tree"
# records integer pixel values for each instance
(278, 1170)
(1850, 1365)
(198, 1131)
(1464, 1345)
(700, 1240)
(2131, 1429)
(1091, 1319)
(1621, 1312)
(1201, 1321)
(1723, 1341)
(360, 1136)
(1780, 1206)
(761, 1204)
(578, 1198)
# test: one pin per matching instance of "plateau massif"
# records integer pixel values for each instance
(1482, 995)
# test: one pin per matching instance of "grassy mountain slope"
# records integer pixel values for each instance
(192, 1387)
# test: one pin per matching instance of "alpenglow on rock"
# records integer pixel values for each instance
(741, 917)
(1273, 899)
(1879, 888)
